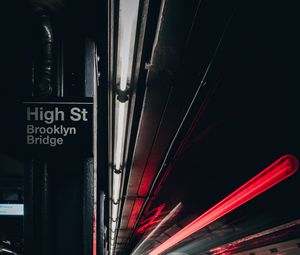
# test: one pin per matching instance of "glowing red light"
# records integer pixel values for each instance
(94, 236)
(146, 181)
(152, 218)
(95, 230)
(272, 175)
(135, 212)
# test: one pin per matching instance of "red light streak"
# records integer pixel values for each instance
(269, 177)
(166, 219)
(94, 235)
(153, 217)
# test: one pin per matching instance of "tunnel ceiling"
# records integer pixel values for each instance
(242, 59)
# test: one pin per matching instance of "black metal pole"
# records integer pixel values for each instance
(36, 181)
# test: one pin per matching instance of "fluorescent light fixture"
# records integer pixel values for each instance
(128, 13)
(113, 226)
(272, 175)
(113, 235)
(114, 211)
(12, 209)
(116, 187)
(120, 135)
(127, 31)
(112, 245)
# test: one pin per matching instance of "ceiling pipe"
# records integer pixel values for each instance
(44, 62)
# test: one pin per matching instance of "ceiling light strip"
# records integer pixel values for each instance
(120, 132)
(127, 15)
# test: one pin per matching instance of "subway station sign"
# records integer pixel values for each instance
(57, 126)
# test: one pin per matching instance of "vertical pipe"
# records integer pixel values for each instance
(90, 176)
(88, 206)
(60, 69)
(45, 208)
(36, 185)
(101, 228)
(44, 59)
(28, 208)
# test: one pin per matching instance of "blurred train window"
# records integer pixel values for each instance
(273, 250)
